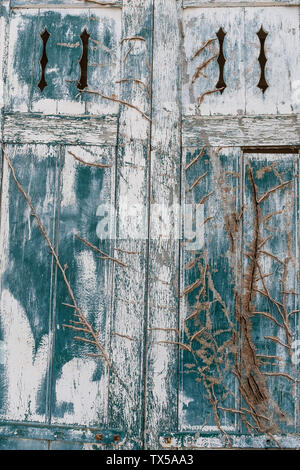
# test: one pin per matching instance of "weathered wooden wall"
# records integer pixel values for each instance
(189, 330)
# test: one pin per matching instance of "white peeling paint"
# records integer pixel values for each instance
(76, 386)
(24, 370)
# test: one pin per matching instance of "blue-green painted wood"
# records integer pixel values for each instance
(22, 444)
(251, 304)
(70, 434)
(63, 51)
(21, 59)
(210, 265)
(79, 389)
(274, 224)
(26, 281)
(48, 3)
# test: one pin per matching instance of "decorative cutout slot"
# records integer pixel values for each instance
(82, 84)
(44, 59)
(262, 84)
(221, 85)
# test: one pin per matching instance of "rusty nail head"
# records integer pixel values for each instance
(116, 438)
(99, 437)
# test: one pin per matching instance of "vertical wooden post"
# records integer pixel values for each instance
(127, 351)
(4, 24)
(162, 361)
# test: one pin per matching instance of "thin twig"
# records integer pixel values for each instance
(98, 165)
(277, 340)
(133, 38)
(201, 67)
(123, 336)
(104, 255)
(268, 193)
(116, 100)
(181, 345)
(197, 181)
(200, 155)
(209, 41)
(281, 374)
(209, 92)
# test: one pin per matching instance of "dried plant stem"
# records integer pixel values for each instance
(204, 45)
(117, 100)
(268, 193)
(104, 255)
(197, 181)
(209, 92)
(122, 336)
(200, 155)
(98, 165)
(202, 66)
(98, 2)
(133, 38)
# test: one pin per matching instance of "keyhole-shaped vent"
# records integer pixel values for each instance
(82, 84)
(221, 85)
(262, 84)
(44, 59)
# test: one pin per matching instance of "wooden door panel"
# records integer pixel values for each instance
(26, 281)
(202, 49)
(271, 269)
(57, 92)
(282, 69)
(210, 275)
(80, 382)
(239, 325)
(224, 48)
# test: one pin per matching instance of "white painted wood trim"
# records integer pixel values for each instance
(241, 131)
(85, 130)
(245, 3)
(132, 195)
(162, 363)
(71, 6)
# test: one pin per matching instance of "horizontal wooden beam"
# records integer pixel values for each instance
(241, 131)
(244, 3)
(18, 5)
(61, 433)
(200, 440)
(59, 129)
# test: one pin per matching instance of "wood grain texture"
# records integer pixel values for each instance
(25, 311)
(71, 434)
(190, 440)
(129, 290)
(66, 4)
(274, 222)
(64, 50)
(209, 263)
(201, 25)
(235, 3)
(36, 128)
(242, 131)
(162, 361)
(242, 70)
(282, 50)
(80, 383)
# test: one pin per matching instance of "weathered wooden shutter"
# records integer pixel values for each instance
(195, 293)
(77, 155)
(224, 303)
